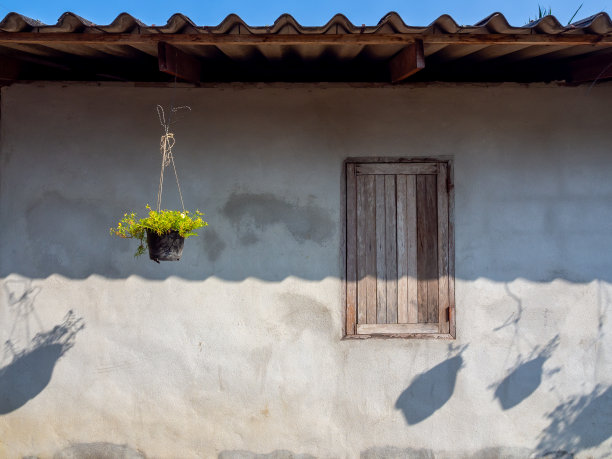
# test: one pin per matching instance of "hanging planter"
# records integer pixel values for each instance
(163, 232)
(167, 247)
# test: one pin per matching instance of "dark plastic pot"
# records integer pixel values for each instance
(167, 247)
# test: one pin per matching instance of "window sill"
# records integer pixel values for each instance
(441, 336)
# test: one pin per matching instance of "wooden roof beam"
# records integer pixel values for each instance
(407, 62)
(304, 39)
(178, 63)
(591, 68)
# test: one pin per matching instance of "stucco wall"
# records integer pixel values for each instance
(236, 350)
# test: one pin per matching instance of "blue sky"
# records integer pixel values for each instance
(307, 12)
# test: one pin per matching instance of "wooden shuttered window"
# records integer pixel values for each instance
(399, 257)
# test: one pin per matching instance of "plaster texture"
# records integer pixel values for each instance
(236, 350)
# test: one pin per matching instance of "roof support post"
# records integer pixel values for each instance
(178, 63)
(407, 62)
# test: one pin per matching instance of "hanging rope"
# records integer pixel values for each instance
(165, 146)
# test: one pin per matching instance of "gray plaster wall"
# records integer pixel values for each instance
(236, 350)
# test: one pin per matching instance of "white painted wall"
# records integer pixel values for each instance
(236, 350)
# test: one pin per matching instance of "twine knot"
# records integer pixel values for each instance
(165, 147)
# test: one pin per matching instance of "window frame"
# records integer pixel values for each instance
(348, 283)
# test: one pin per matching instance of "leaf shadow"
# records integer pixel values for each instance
(579, 422)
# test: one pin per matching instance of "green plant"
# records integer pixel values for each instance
(574, 15)
(542, 12)
(162, 222)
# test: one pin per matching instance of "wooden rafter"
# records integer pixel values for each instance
(296, 39)
(407, 62)
(177, 63)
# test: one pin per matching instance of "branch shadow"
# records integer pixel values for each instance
(21, 295)
(30, 369)
(580, 422)
(429, 391)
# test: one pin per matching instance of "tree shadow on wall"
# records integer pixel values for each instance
(583, 421)
(30, 369)
(525, 377)
(429, 391)
(580, 422)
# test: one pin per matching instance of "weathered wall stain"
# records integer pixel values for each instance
(63, 234)
(98, 450)
(495, 452)
(249, 238)
(306, 313)
(304, 222)
(213, 244)
(259, 360)
(277, 454)
(391, 452)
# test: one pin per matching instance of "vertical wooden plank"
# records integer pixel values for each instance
(361, 251)
(402, 251)
(381, 271)
(391, 248)
(370, 204)
(351, 249)
(432, 262)
(411, 245)
(443, 251)
(421, 249)
(427, 253)
(451, 248)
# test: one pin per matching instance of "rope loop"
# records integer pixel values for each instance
(166, 143)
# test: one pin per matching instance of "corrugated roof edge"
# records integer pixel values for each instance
(496, 23)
